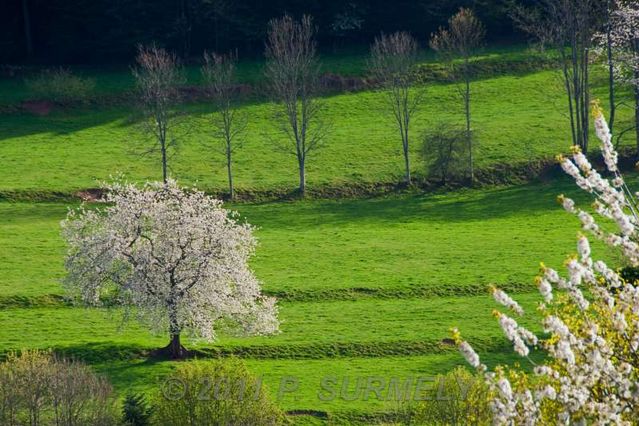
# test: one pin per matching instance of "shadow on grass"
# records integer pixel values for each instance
(458, 206)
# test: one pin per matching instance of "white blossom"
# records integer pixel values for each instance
(547, 392)
(174, 256)
(583, 247)
(505, 300)
(590, 372)
(469, 354)
(545, 289)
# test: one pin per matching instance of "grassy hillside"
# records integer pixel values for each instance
(308, 249)
(311, 330)
(452, 243)
(517, 118)
(367, 287)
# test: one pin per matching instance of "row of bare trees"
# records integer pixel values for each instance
(292, 74)
(393, 61)
(572, 29)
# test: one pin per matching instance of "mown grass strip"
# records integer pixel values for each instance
(419, 291)
(350, 349)
(387, 247)
(38, 301)
(102, 352)
(425, 291)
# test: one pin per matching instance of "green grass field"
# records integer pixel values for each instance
(453, 243)
(367, 287)
(517, 118)
(405, 242)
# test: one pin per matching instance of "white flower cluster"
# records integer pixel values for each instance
(518, 335)
(468, 352)
(592, 369)
(614, 200)
(174, 256)
(503, 299)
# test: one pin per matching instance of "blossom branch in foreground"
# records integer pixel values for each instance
(591, 372)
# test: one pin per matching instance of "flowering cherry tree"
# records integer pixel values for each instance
(590, 316)
(621, 41)
(173, 257)
(625, 39)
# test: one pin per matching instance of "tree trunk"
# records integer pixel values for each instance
(407, 115)
(571, 112)
(230, 173)
(302, 187)
(586, 100)
(162, 124)
(407, 162)
(164, 168)
(27, 28)
(469, 139)
(176, 350)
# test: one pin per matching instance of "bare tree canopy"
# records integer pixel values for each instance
(292, 71)
(158, 76)
(392, 61)
(569, 26)
(228, 122)
(464, 35)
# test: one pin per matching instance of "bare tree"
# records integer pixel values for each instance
(568, 26)
(292, 71)
(391, 63)
(457, 44)
(158, 75)
(228, 122)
